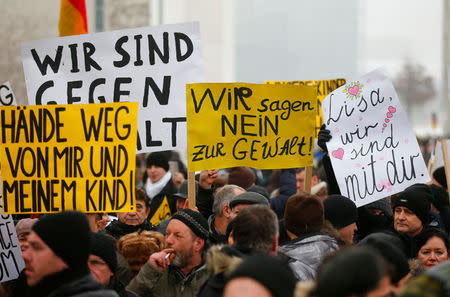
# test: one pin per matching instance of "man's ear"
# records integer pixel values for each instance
(199, 243)
(226, 211)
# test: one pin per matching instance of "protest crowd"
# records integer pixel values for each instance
(291, 189)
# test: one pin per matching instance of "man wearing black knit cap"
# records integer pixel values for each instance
(179, 269)
(412, 209)
(342, 213)
(56, 261)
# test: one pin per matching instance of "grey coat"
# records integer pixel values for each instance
(305, 253)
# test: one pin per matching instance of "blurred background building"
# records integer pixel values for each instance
(258, 40)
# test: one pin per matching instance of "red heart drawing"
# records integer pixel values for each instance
(384, 125)
(338, 154)
(354, 90)
(389, 115)
(386, 120)
(392, 109)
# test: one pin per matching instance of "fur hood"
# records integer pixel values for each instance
(222, 259)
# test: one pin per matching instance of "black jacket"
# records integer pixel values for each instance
(168, 191)
(117, 229)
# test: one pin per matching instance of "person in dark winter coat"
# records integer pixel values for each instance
(304, 219)
(56, 262)
(160, 188)
(342, 213)
(102, 263)
(129, 222)
(288, 188)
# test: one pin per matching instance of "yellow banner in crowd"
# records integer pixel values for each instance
(324, 87)
(65, 157)
(257, 125)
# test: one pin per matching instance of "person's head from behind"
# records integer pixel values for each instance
(186, 235)
(342, 213)
(223, 196)
(303, 214)
(57, 242)
(261, 275)
(142, 210)
(256, 228)
(354, 271)
(23, 229)
(157, 166)
(432, 247)
(411, 209)
(439, 178)
(102, 259)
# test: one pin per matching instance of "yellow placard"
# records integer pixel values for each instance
(258, 125)
(66, 157)
(324, 87)
(162, 213)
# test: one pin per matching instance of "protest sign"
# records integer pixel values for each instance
(324, 87)
(64, 157)
(11, 261)
(261, 126)
(438, 156)
(148, 65)
(373, 149)
(7, 97)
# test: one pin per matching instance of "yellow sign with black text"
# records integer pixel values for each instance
(257, 125)
(68, 157)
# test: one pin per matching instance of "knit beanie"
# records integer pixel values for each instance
(416, 198)
(303, 214)
(271, 272)
(104, 247)
(68, 235)
(24, 226)
(194, 220)
(340, 211)
(440, 177)
(243, 177)
(159, 159)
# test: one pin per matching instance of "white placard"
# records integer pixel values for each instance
(150, 65)
(373, 149)
(7, 97)
(438, 154)
(11, 261)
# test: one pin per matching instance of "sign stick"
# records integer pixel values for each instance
(191, 189)
(446, 161)
(308, 179)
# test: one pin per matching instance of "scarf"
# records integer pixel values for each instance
(153, 189)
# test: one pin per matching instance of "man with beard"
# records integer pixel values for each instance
(179, 269)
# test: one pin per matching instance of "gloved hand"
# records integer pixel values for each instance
(323, 137)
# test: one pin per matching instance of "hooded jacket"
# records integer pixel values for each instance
(306, 253)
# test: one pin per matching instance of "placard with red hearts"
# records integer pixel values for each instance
(373, 149)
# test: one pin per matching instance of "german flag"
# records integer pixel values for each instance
(72, 18)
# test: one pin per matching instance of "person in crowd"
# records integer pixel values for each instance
(411, 209)
(221, 217)
(355, 271)
(243, 177)
(245, 199)
(387, 246)
(287, 189)
(300, 178)
(440, 204)
(255, 230)
(102, 263)
(23, 229)
(439, 178)
(432, 247)
(159, 187)
(129, 222)
(179, 269)
(342, 213)
(137, 247)
(56, 263)
(98, 221)
(261, 275)
(304, 219)
(374, 217)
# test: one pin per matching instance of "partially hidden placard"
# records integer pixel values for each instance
(373, 149)
(64, 157)
(257, 125)
(324, 87)
(149, 65)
